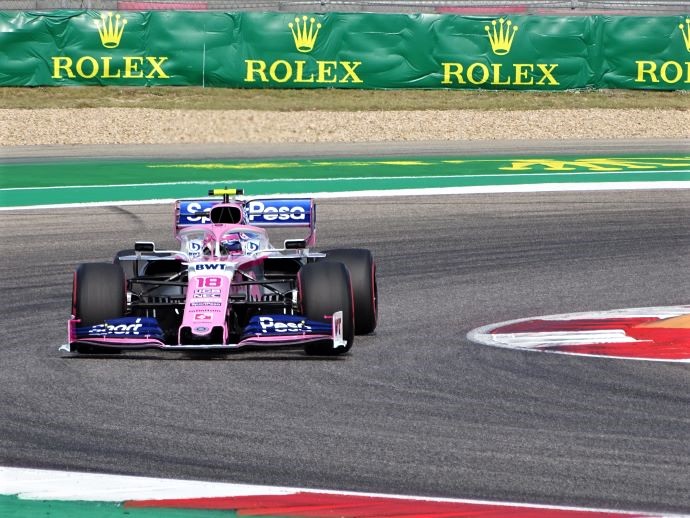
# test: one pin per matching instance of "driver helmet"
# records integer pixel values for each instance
(230, 244)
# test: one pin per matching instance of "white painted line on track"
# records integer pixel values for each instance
(37, 484)
(350, 178)
(429, 191)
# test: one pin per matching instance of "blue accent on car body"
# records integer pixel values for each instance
(284, 325)
(195, 212)
(278, 212)
(126, 327)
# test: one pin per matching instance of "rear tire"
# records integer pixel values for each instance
(324, 288)
(98, 295)
(362, 268)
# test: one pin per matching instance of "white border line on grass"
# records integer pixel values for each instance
(348, 178)
(432, 191)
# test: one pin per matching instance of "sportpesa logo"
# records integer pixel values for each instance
(296, 212)
(269, 325)
(110, 29)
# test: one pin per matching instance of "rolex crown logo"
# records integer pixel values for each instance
(501, 36)
(685, 29)
(303, 34)
(110, 31)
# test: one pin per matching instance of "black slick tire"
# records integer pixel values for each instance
(98, 295)
(360, 263)
(324, 288)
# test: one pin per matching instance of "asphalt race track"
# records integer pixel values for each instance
(415, 409)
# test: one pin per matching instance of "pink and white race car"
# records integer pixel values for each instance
(227, 287)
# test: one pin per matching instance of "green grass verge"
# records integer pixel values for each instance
(195, 98)
(13, 507)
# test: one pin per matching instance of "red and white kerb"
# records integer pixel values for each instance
(653, 334)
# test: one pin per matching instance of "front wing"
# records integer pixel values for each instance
(115, 335)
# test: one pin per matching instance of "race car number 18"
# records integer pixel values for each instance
(208, 282)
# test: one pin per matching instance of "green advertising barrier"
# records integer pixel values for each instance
(344, 50)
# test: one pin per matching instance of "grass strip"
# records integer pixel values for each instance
(196, 98)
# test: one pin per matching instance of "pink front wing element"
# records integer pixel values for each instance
(323, 505)
(297, 339)
(661, 334)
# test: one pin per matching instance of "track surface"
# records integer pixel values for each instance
(415, 409)
(341, 149)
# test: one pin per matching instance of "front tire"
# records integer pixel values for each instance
(362, 268)
(324, 288)
(98, 295)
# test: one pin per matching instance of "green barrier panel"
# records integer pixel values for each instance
(344, 50)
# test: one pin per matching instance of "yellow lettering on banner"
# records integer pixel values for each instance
(282, 71)
(299, 78)
(452, 69)
(274, 68)
(157, 67)
(62, 63)
(497, 76)
(648, 68)
(546, 70)
(349, 67)
(664, 70)
(326, 69)
(522, 72)
(255, 66)
(480, 74)
(670, 72)
(132, 64)
(106, 69)
(92, 63)
(470, 73)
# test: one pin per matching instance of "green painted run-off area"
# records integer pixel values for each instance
(13, 507)
(27, 184)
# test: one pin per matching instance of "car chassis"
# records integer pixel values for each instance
(227, 287)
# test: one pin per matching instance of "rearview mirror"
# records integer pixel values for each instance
(295, 244)
(144, 246)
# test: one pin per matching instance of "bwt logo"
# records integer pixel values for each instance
(278, 211)
(269, 325)
(209, 266)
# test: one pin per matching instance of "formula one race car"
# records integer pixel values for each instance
(226, 287)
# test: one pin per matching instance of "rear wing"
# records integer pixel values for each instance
(276, 213)
(258, 212)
